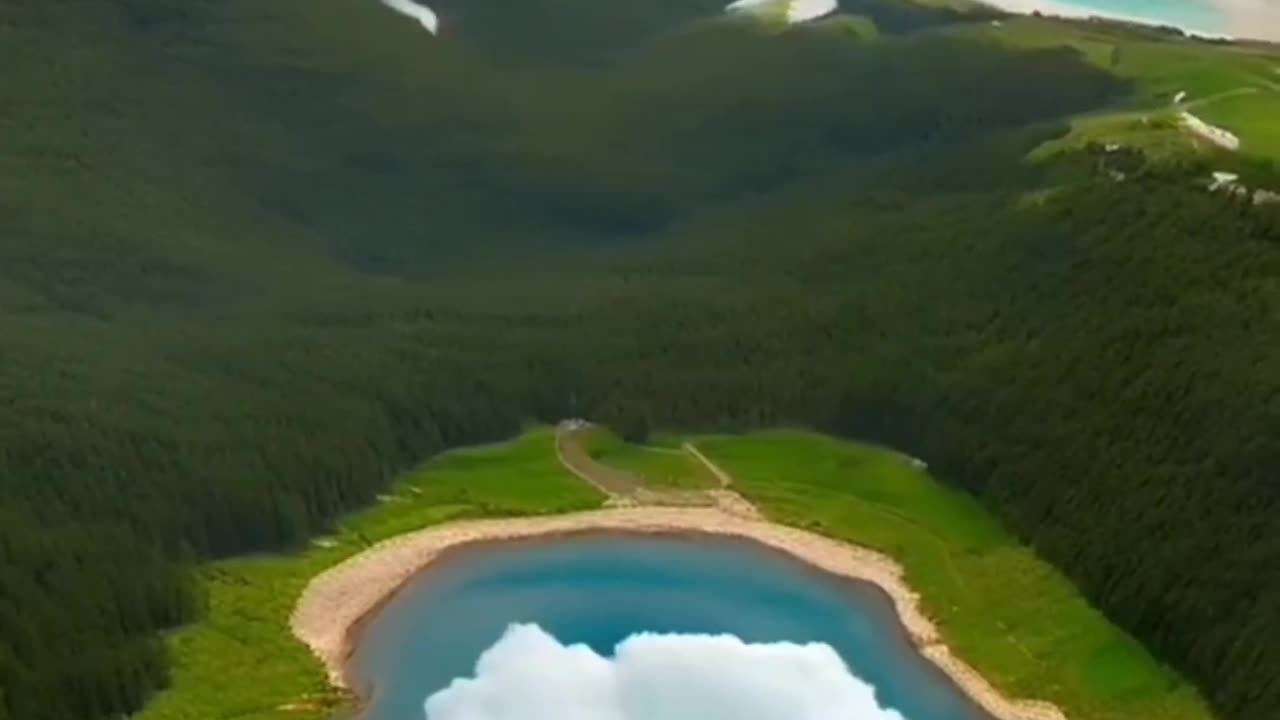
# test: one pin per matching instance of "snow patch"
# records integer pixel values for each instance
(795, 11)
(421, 13)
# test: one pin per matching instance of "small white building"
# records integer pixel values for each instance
(1266, 197)
(1222, 138)
(1223, 179)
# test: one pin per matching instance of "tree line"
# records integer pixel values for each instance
(257, 266)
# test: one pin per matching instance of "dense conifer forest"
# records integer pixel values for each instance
(256, 258)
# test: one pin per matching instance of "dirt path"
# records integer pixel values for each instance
(1198, 102)
(721, 475)
(625, 489)
(618, 485)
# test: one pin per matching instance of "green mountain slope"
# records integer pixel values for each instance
(256, 258)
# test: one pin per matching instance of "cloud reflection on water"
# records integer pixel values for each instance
(530, 675)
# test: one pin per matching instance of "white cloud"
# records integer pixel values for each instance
(1258, 19)
(1252, 18)
(529, 675)
(421, 13)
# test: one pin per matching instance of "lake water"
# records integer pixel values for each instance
(1205, 16)
(601, 589)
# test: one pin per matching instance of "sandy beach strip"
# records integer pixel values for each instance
(339, 599)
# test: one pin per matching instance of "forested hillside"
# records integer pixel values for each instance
(256, 258)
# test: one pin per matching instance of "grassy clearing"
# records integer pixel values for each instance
(999, 606)
(663, 465)
(1010, 614)
(1255, 118)
(1160, 134)
(1160, 66)
(242, 662)
(1233, 86)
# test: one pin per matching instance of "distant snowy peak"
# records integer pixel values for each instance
(795, 11)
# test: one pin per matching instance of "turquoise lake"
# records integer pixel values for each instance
(1202, 15)
(600, 589)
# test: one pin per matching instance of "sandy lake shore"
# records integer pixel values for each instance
(339, 599)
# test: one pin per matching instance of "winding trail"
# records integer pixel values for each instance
(619, 486)
(625, 489)
(721, 475)
(1209, 99)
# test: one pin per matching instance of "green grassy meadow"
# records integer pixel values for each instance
(1256, 118)
(241, 661)
(663, 465)
(1000, 607)
(1233, 86)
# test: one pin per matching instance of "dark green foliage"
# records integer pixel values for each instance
(905, 16)
(255, 258)
(566, 30)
